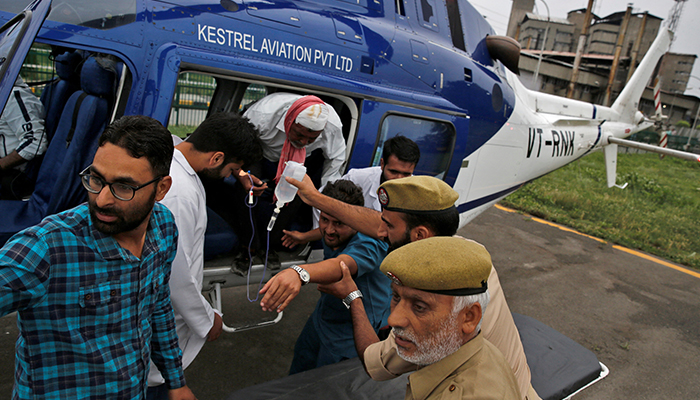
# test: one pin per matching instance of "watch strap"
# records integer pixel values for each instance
(350, 297)
(301, 271)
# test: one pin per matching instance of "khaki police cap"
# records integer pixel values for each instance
(441, 264)
(417, 194)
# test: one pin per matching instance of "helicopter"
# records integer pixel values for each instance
(434, 71)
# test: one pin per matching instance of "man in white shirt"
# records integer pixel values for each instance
(219, 147)
(400, 155)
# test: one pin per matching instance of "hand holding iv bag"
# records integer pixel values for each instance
(285, 191)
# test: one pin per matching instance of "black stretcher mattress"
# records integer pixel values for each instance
(559, 367)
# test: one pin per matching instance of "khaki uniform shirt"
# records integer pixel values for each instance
(476, 371)
(498, 328)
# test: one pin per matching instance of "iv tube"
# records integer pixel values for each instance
(250, 204)
(273, 219)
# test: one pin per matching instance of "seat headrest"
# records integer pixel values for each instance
(98, 76)
(68, 66)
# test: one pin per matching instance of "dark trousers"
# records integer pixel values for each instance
(159, 392)
(14, 185)
(309, 352)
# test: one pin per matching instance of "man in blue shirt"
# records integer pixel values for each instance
(400, 155)
(327, 336)
(90, 285)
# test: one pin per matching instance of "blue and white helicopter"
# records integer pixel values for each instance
(432, 70)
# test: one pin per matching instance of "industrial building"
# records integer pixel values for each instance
(549, 47)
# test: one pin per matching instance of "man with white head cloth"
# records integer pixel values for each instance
(291, 127)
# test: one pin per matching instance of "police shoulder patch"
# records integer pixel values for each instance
(383, 196)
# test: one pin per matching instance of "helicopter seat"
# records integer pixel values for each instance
(57, 93)
(54, 98)
(71, 150)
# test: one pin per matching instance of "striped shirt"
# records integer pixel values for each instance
(89, 312)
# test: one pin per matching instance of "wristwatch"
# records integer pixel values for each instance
(303, 274)
(352, 296)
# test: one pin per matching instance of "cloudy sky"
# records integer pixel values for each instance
(497, 13)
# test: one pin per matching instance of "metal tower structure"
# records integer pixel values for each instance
(675, 15)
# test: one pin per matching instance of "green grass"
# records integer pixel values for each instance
(181, 130)
(658, 212)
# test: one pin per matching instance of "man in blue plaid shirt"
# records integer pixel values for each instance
(90, 285)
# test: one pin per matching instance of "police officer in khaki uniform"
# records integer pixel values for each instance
(415, 208)
(439, 292)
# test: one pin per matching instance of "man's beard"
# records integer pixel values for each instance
(338, 242)
(122, 223)
(325, 240)
(211, 174)
(406, 239)
(442, 342)
(382, 178)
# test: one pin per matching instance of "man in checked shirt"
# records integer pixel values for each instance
(90, 285)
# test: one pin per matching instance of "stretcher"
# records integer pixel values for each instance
(219, 273)
(560, 369)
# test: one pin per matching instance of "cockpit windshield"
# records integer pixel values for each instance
(97, 14)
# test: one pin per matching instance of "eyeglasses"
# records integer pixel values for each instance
(121, 191)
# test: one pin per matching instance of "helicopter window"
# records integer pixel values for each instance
(98, 14)
(399, 8)
(39, 71)
(427, 14)
(453, 14)
(191, 102)
(253, 93)
(436, 140)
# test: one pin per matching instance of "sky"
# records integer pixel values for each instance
(497, 13)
